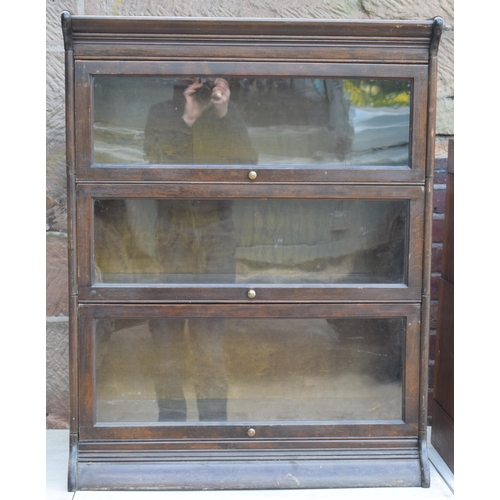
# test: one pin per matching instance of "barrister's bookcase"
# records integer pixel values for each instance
(249, 221)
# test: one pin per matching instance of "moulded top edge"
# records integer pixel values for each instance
(94, 25)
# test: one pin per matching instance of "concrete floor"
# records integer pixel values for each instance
(442, 485)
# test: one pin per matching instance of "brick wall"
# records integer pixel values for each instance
(57, 410)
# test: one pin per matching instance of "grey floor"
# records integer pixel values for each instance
(442, 484)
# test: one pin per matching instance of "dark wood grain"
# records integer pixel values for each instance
(444, 379)
(284, 454)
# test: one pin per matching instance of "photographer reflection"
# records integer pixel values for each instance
(199, 125)
(195, 242)
(189, 351)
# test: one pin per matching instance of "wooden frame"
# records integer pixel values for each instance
(195, 450)
(218, 455)
(87, 169)
(407, 425)
(90, 291)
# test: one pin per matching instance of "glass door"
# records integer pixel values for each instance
(317, 123)
(262, 365)
(200, 242)
(180, 241)
(262, 121)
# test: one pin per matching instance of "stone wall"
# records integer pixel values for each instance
(57, 411)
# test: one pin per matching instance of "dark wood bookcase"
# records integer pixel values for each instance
(249, 228)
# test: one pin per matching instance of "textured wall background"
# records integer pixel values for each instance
(57, 410)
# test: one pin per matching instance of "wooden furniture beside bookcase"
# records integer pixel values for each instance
(442, 436)
(249, 227)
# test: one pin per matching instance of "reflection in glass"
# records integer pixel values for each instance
(249, 241)
(172, 370)
(268, 121)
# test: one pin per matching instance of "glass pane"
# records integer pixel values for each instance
(266, 121)
(249, 241)
(249, 369)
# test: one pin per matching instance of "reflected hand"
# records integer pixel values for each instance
(220, 97)
(193, 108)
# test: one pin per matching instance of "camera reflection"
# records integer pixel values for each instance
(200, 124)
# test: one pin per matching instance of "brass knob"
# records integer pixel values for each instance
(251, 294)
(251, 432)
(252, 175)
